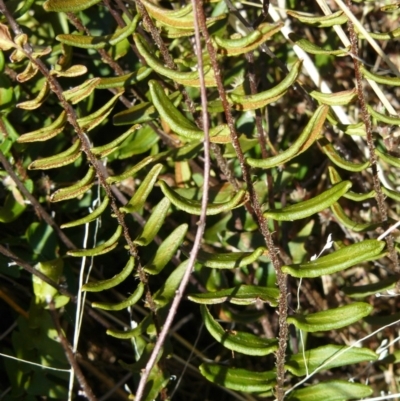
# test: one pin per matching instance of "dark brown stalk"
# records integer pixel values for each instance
(380, 199)
(69, 354)
(255, 204)
(200, 225)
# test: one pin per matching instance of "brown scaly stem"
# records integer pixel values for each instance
(281, 278)
(380, 199)
(69, 354)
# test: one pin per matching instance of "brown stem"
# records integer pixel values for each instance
(69, 354)
(255, 204)
(380, 199)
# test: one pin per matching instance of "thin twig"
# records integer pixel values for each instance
(197, 7)
(70, 356)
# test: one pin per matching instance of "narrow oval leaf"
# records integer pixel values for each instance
(123, 81)
(193, 206)
(166, 250)
(380, 79)
(59, 160)
(75, 95)
(320, 21)
(71, 72)
(309, 207)
(139, 198)
(391, 194)
(363, 291)
(335, 178)
(100, 249)
(237, 42)
(341, 259)
(105, 150)
(39, 99)
(312, 48)
(252, 102)
(393, 120)
(335, 99)
(43, 134)
(130, 301)
(331, 319)
(75, 190)
(350, 224)
(167, 291)
(230, 260)
(99, 42)
(330, 356)
(334, 390)
(237, 341)
(91, 121)
(90, 217)
(392, 160)
(238, 379)
(239, 295)
(334, 156)
(154, 223)
(68, 6)
(111, 282)
(302, 143)
(184, 78)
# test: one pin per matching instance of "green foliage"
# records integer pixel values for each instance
(103, 133)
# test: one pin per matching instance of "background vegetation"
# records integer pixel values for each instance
(169, 169)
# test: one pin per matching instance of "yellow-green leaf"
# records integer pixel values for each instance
(337, 98)
(381, 79)
(130, 301)
(39, 99)
(323, 21)
(80, 92)
(68, 6)
(123, 81)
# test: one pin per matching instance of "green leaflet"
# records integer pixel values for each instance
(311, 48)
(184, 78)
(180, 124)
(363, 291)
(143, 112)
(335, 99)
(38, 101)
(382, 35)
(229, 260)
(111, 282)
(60, 160)
(331, 319)
(325, 21)
(302, 143)
(91, 121)
(237, 341)
(335, 178)
(130, 301)
(167, 291)
(154, 223)
(105, 150)
(307, 208)
(166, 250)
(380, 79)
(391, 194)
(105, 247)
(350, 224)
(239, 295)
(99, 42)
(139, 198)
(231, 47)
(80, 92)
(12, 208)
(333, 390)
(123, 81)
(394, 120)
(392, 160)
(331, 356)
(341, 259)
(71, 72)
(192, 206)
(43, 134)
(334, 156)
(90, 217)
(68, 6)
(252, 102)
(75, 190)
(238, 379)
